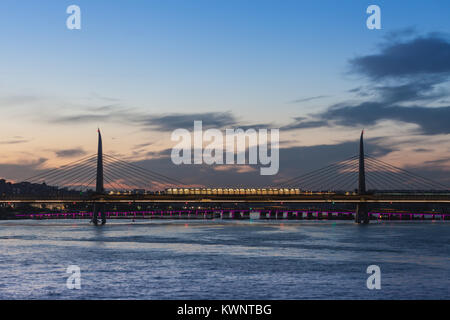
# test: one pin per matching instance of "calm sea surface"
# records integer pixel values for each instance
(224, 259)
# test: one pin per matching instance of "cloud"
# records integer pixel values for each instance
(256, 126)
(304, 123)
(422, 150)
(170, 122)
(70, 153)
(236, 168)
(414, 91)
(95, 95)
(430, 120)
(401, 34)
(98, 114)
(404, 81)
(438, 162)
(427, 55)
(18, 100)
(110, 107)
(142, 145)
(216, 120)
(159, 154)
(21, 169)
(161, 122)
(309, 99)
(82, 118)
(14, 141)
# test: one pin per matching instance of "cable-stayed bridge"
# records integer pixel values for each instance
(361, 181)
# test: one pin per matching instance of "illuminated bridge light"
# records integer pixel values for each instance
(232, 191)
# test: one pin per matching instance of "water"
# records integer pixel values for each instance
(224, 259)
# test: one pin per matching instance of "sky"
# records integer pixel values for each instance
(140, 69)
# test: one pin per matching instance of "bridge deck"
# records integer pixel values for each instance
(305, 198)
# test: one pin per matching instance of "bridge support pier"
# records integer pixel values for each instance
(226, 214)
(362, 213)
(99, 188)
(99, 210)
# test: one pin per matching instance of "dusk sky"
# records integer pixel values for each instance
(140, 69)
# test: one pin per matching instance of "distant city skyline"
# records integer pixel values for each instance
(140, 70)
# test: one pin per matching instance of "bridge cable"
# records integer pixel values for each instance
(137, 175)
(390, 179)
(131, 172)
(312, 172)
(335, 178)
(429, 181)
(118, 177)
(400, 176)
(321, 173)
(71, 164)
(375, 179)
(69, 176)
(134, 177)
(56, 175)
(148, 171)
(85, 176)
(88, 184)
(315, 177)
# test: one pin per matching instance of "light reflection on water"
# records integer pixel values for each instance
(224, 259)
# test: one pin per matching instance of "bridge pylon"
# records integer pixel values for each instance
(362, 212)
(99, 207)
